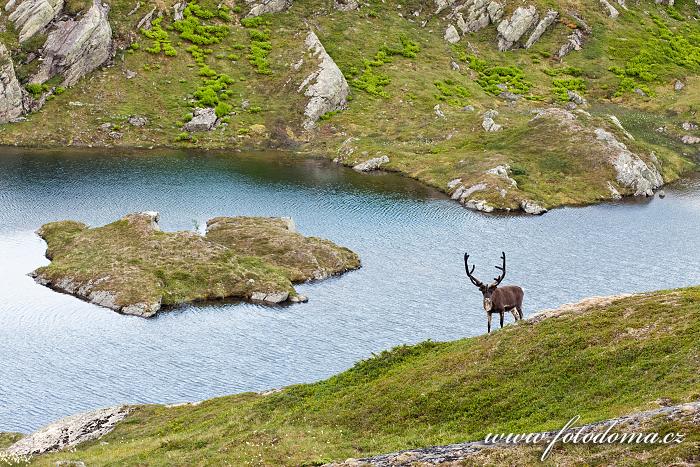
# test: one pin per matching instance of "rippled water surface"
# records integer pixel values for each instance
(59, 355)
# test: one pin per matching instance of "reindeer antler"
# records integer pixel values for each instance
(474, 280)
(502, 269)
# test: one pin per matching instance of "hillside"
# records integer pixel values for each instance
(598, 362)
(415, 87)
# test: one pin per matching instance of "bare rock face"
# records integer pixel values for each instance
(203, 120)
(268, 6)
(451, 35)
(632, 171)
(69, 432)
(549, 18)
(512, 29)
(573, 42)
(612, 11)
(474, 15)
(530, 207)
(488, 122)
(326, 87)
(10, 89)
(75, 48)
(31, 16)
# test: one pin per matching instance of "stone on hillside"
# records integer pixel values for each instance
(268, 6)
(145, 22)
(689, 126)
(346, 5)
(576, 98)
(179, 10)
(678, 85)
(11, 94)
(616, 121)
(32, 16)
(204, 119)
(488, 122)
(326, 87)
(687, 139)
(549, 18)
(632, 172)
(438, 112)
(130, 74)
(371, 164)
(613, 191)
(478, 205)
(451, 34)
(138, 121)
(68, 432)
(512, 29)
(501, 171)
(530, 207)
(76, 47)
(573, 42)
(612, 11)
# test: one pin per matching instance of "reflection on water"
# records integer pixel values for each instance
(59, 355)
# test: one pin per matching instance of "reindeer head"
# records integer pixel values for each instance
(487, 290)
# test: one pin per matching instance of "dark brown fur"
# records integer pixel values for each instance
(498, 300)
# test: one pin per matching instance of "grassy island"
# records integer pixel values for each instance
(133, 267)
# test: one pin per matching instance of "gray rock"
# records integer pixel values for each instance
(510, 96)
(145, 22)
(346, 5)
(451, 34)
(69, 432)
(272, 297)
(326, 87)
(612, 11)
(488, 122)
(130, 74)
(530, 207)
(512, 29)
(678, 85)
(11, 102)
(372, 164)
(269, 6)
(616, 121)
(143, 310)
(137, 121)
(687, 139)
(632, 172)
(106, 126)
(549, 18)
(576, 98)
(689, 126)
(75, 48)
(179, 10)
(640, 92)
(613, 191)
(453, 183)
(115, 135)
(467, 192)
(574, 41)
(662, 194)
(501, 171)
(478, 205)
(204, 119)
(32, 16)
(454, 65)
(438, 112)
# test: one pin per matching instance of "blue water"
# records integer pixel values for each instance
(59, 355)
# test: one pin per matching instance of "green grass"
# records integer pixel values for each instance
(6, 439)
(601, 363)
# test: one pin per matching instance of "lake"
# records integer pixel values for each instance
(59, 355)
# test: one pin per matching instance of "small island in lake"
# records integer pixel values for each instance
(133, 267)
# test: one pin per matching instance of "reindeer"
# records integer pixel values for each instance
(498, 300)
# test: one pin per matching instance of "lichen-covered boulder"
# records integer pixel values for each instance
(549, 18)
(204, 119)
(74, 48)
(326, 87)
(268, 6)
(10, 89)
(512, 29)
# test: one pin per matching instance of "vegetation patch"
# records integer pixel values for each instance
(374, 83)
(561, 86)
(497, 79)
(451, 92)
(160, 38)
(133, 267)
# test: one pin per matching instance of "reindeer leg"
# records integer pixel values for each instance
(501, 313)
(520, 311)
(514, 312)
(489, 322)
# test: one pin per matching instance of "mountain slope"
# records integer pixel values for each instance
(601, 362)
(414, 98)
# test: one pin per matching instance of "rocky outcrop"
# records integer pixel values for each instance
(204, 119)
(463, 453)
(69, 432)
(11, 94)
(574, 41)
(474, 15)
(74, 48)
(530, 207)
(32, 16)
(371, 164)
(688, 139)
(268, 6)
(326, 87)
(549, 18)
(612, 11)
(512, 29)
(632, 172)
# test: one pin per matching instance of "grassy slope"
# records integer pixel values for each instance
(550, 168)
(599, 364)
(6, 439)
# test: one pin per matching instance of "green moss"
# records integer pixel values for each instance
(493, 78)
(560, 86)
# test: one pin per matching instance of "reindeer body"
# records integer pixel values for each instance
(498, 299)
